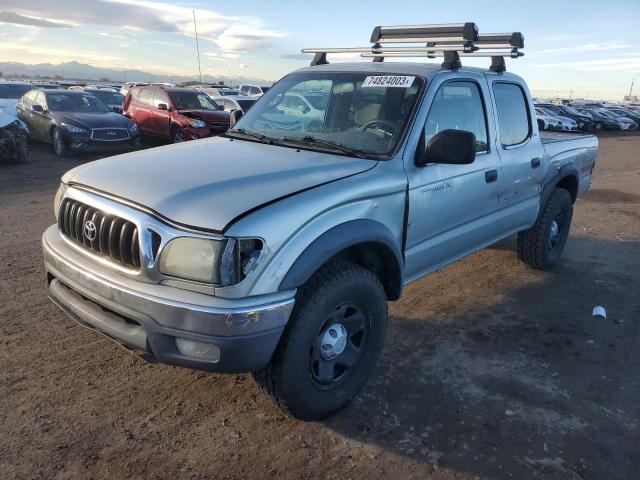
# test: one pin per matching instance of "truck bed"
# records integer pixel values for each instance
(564, 148)
(550, 137)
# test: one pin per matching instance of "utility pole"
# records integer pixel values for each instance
(195, 27)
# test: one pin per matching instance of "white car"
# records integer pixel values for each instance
(236, 102)
(253, 90)
(554, 122)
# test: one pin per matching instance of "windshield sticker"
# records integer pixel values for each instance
(398, 81)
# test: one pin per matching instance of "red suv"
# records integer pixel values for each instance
(176, 114)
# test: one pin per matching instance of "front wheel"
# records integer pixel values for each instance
(331, 343)
(59, 144)
(540, 247)
(177, 136)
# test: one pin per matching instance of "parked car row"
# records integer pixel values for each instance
(586, 116)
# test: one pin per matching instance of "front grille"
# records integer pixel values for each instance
(110, 134)
(106, 235)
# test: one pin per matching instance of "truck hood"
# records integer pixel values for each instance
(208, 183)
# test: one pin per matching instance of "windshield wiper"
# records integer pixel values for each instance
(310, 140)
(257, 136)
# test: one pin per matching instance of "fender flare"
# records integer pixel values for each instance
(567, 171)
(336, 240)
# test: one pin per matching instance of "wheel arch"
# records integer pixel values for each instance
(367, 243)
(566, 178)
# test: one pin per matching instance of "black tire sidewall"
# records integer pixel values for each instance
(561, 201)
(56, 132)
(304, 398)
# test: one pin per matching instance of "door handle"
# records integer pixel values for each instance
(535, 163)
(491, 176)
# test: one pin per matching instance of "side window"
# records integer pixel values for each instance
(244, 89)
(160, 97)
(28, 99)
(513, 113)
(40, 100)
(146, 96)
(458, 105)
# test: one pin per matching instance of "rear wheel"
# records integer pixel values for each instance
(541, 246)
(331, 343)
(59, 144)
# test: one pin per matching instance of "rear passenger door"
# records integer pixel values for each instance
(160, 120)
(452, 207)
(521, 154)
(141, 109)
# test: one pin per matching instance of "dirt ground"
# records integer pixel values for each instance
(490, 369)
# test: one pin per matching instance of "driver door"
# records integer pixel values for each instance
(452, 207)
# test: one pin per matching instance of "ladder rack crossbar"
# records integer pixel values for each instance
(452, 40)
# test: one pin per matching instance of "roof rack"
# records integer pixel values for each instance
(451, 41)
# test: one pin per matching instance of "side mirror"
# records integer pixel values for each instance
(234, 117)
(163, 106)
(37, 108)
(455, 147)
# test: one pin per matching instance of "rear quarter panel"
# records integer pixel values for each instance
(579, 150)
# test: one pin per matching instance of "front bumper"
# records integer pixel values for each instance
(192, 133)
(86, 144)
(148, 318)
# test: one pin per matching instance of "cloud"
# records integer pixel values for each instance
(297, 56)
(587, 47)
(243, 65)
(604, 65)
(245, 37)
(113, 35)
(17, 19)
(231, 33)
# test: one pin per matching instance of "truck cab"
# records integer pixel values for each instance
(275, 248)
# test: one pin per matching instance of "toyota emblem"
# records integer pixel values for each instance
(90, 230)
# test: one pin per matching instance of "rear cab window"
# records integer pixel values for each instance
(513, 113)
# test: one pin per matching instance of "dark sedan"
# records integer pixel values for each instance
(75, 121)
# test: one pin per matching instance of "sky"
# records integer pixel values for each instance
(586, 49)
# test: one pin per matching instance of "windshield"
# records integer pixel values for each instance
(110, 98)
(357, 111)
(571, 110)
(8, 90)
(193, 101)
(68, 102)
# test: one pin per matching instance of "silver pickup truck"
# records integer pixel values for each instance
(275, 248)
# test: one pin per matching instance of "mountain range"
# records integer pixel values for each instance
(83, 71)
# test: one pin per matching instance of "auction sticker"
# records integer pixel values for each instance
(398, 81)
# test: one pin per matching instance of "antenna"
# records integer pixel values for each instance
(195, 27)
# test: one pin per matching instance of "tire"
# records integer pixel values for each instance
(177, 136)
(59, 145)
(23, 152)
(540, 247)
(305, 378)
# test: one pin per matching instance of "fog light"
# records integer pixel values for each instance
(199, 350)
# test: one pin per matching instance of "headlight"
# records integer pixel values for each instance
(72, 128)
(58, 198)
(217, 262)
(193, 259)
(195, 123)
(133, 130)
